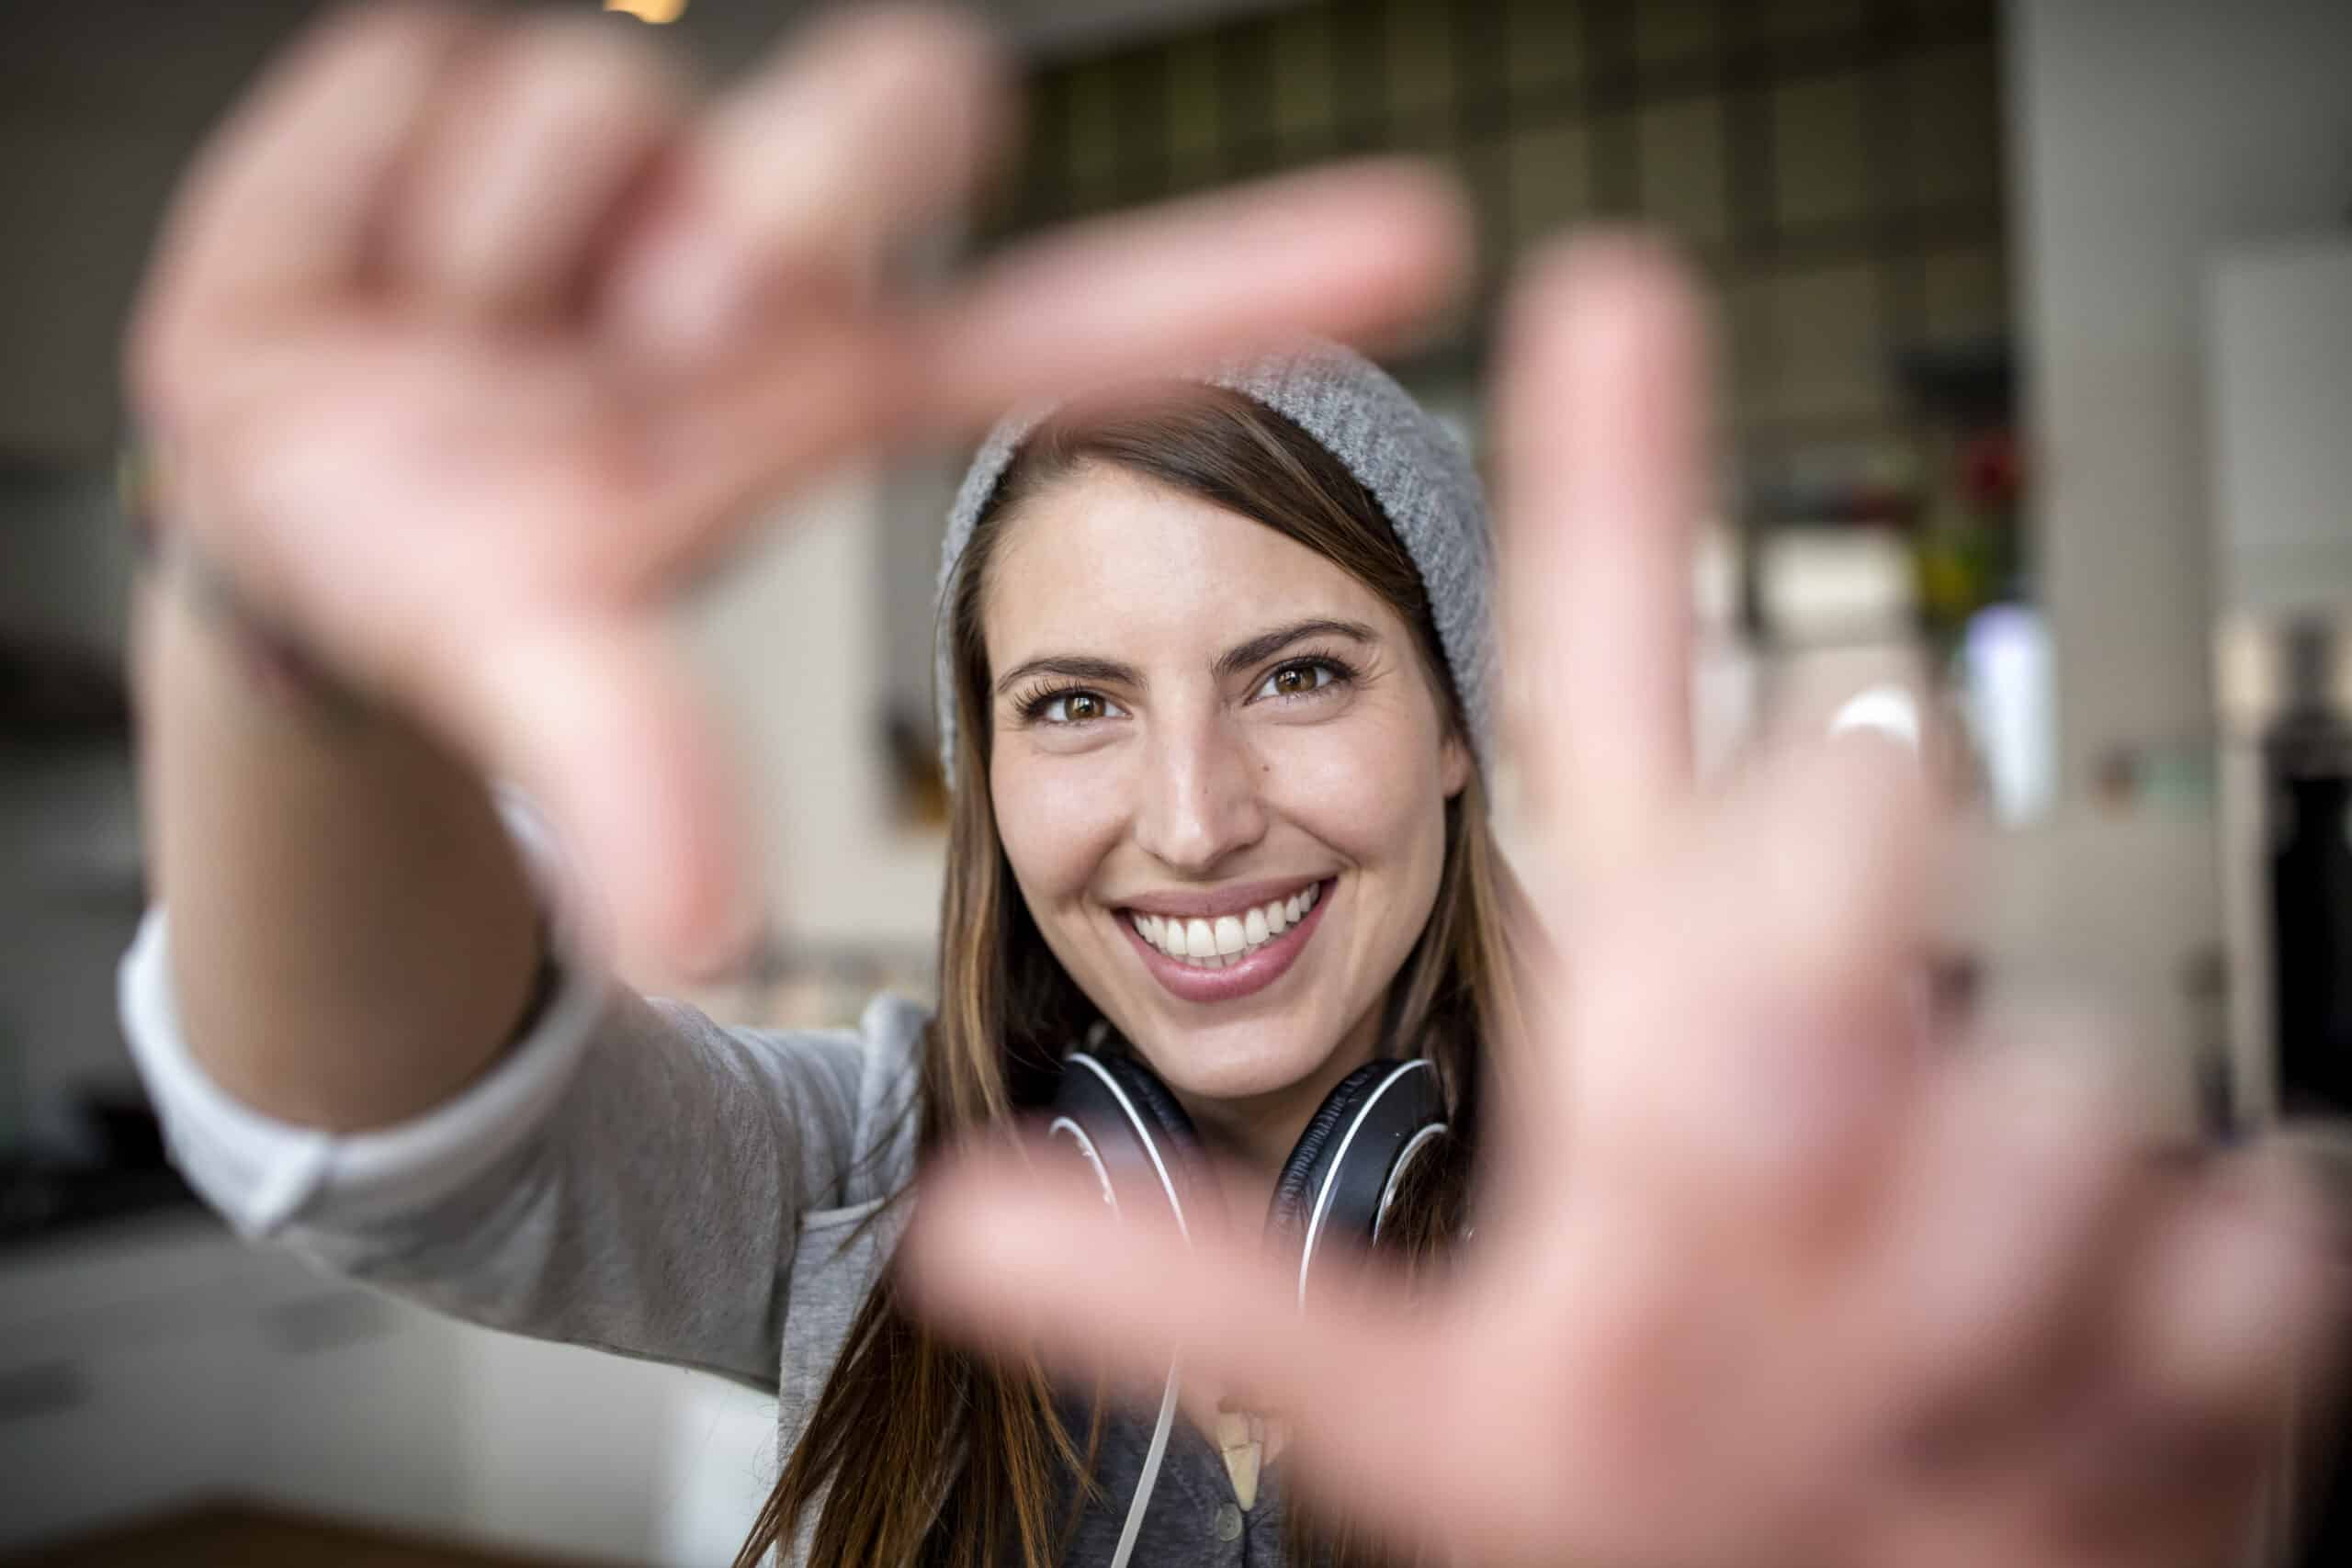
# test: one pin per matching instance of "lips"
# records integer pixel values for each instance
(1251, 965)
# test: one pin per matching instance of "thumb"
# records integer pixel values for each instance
(593, 715)
(1003, 1256)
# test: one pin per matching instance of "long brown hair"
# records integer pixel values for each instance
(921, 1451)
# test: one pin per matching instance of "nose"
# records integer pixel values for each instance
(1201, 802)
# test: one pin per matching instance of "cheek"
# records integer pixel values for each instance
(1345, 785)
(1057, 821)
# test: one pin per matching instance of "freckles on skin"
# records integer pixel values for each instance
(1195, 779)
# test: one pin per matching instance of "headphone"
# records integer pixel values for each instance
(1340, 1179)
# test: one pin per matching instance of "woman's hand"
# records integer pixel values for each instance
(471, 340)
(1761, 1275)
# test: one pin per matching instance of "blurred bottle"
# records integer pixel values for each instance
(2005, 676)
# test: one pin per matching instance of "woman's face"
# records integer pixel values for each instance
(1203, 725)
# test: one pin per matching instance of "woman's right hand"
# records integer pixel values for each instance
(469, 341)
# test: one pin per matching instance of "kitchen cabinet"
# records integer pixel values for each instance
(162, 1363)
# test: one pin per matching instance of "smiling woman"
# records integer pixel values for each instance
(1218, 810)
(1273, 720)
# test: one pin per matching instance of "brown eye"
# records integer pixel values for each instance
(1299, 680)
(1071, 707)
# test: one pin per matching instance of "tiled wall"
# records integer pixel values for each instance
(1835, 164)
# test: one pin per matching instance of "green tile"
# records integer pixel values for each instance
(1964, 293)
(1825, 359)
(1682, 176)
(1820, 162)
(1091, 126)
(1305, 111)
(1806, 18)
(1544, 43)
(1550, 182)
(1677, 31)
(1420, 50)
(1952, 136)
(1196, 123)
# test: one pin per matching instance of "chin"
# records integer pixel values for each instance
(1239, 1061)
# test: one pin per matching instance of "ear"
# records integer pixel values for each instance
(1453, 765)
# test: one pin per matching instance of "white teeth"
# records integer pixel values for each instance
(1228, 939)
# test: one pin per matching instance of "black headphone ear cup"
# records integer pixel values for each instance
(1295, 1188)
(1131, 1130)
(1158, 1106)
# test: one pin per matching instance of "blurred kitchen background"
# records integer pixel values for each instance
(2039, 397)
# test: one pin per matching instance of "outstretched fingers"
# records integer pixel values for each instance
(283, 203)
(596, 716)
(1738, 1041)
(1357, 250)
(1001, 1254)
(1351, 252)
(870, 132)
(1604, 411)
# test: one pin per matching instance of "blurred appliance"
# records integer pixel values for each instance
(2279, 357)
(2285, 684)
(2279, 403)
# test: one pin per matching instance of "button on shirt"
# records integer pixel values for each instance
(1193, 1518)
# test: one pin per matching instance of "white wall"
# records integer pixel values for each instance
(2150, 134)
(793, 647)
(2281, 363)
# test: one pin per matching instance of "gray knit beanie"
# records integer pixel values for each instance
(1412, 465)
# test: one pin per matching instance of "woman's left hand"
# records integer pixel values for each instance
(1762, 1274)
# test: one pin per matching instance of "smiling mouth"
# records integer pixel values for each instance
(1229, 955)
(1215, 944)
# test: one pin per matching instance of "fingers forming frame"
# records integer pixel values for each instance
(794, 192)
(1603, 418)
(537, 141)
(282, 205)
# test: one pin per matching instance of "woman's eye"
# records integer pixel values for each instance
(1076, 707)
(1296, 680)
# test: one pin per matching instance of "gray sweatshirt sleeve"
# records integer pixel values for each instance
(629, 1175)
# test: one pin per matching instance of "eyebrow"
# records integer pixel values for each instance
(1076, 667)
(1265, 645)
(1258, 649)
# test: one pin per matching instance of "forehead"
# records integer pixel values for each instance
(1104, 556)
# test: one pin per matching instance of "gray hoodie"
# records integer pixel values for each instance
(633, 1177)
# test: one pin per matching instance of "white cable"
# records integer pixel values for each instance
(1159, 1449)
(1151, 1459)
